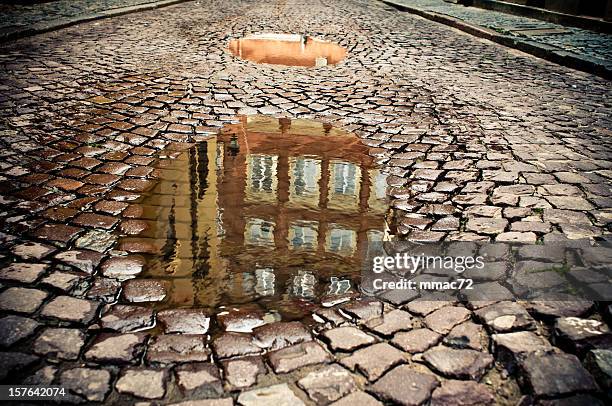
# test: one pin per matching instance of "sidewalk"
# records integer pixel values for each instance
(20, 20)
(574, 47)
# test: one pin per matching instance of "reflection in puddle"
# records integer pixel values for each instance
(287, 49)
(273, 212)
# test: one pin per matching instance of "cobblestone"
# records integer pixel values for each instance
(591, 44)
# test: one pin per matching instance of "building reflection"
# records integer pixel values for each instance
(288, 210)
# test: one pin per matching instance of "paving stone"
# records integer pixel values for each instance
(278, 335)
(511, 348)
(184, 321)
(144, 383)
(96, 240)
(63, 343)
(560, 308)
(405, 386)
(599, 363)
(23, 272)
(578, 335)
(374, 361)
(328, 384)
(199, 379)
(104, 289)
(554, 375)
(235, 344)
(505, 317)
(93, 220)
(347, 338)
(517, 237)
(491, 271)
(123, 268)
(64, 281)
(460, 364)
(68, 308)
(116, 348)
(127, 318)
(14, 362)
(364, 310)
(467, 335)
(243, 319)
(298, 356)
(416, 341)
(557, 216)
(280, 395)
(16, 328)
(486, 225)
(166, 349)
(357, 398)
(85, 261)
(569, 203)
(423, 307)
(21, 300)
(90, 384)
(243, 372)
(144, 290)
(32, 250)
(390, 323)
(459, 393)
(42, 377)
(443, 320)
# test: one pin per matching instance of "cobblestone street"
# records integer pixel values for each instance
(480, 142)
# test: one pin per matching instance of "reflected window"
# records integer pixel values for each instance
(262, 181)
(305, 174)
(304, 284)
(375, 236)
(259, 232)
(339, 286)
(265, 281)
(378, 191)
(344, 185)
(303, 235)
(341, 241)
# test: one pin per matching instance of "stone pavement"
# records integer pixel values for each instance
(25, 19)
(589, 45)
(482, 142)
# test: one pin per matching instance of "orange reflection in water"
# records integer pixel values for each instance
(274, 213)
(287, 49)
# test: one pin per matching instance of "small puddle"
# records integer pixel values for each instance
(272, 214)
(287, 49)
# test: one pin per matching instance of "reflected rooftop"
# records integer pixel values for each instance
(287, 49)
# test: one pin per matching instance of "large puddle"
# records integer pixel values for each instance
(273, 215)
(287, 49)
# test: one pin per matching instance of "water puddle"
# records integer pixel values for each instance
(273, 216)
(287, 49)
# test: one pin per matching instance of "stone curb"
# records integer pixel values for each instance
(586, 23)
(550, 53)
(67, 22)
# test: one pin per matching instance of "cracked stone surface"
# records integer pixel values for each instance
(144, 383)
(498, 147)
(328, 384)
(405, 386)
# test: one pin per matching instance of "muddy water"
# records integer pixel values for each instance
(273, 216)
(287, 49)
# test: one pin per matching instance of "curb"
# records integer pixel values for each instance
(550, 53)
(67, 22)
(584, 22)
